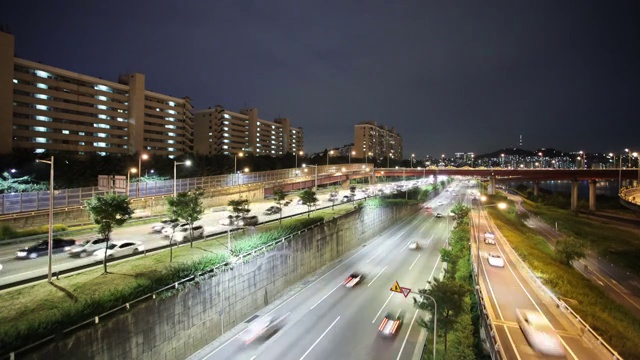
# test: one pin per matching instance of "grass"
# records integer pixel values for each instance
(31, 312)
(613, 323)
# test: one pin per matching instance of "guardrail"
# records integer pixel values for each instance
(173, 286)
(39, 200)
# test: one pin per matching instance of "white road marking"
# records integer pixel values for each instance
(374, 279)
(414, 262)
(320, 338)
(407, 336)
(382, 308)
(324, 297)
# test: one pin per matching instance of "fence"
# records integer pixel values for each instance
(39, 200)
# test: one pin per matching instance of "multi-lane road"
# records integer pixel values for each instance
(510, 288)
(14, 270)
(325, 320)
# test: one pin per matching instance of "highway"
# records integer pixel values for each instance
(14, 270)
(325, 320)
(509, 288)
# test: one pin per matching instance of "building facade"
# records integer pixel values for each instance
(376, 141)
(45, 108)
(220, 131)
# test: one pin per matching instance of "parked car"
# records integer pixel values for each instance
(248, 221)
(272, 210)
(119, 248)
(163, 224)
(184, 233)
(42, 248)
(87, 247)
(539, 333)
(166, 232)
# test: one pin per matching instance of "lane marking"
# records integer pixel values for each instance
(432, 271)
(374, 279)
(382, 308)
(414, 262)
(320, 338)
(407, 336)
(319, 301)
(513, 345)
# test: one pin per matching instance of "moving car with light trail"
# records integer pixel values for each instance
(42, 248)
(86, 247)
(163, 224)
(390, 325)
(414, 245)
(539, 333)
(495, 260)
(184, 233)
(166, 232)
(353, 279)
(119, 248)
(263, 328)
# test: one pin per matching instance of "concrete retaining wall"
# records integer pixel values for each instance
(175, 327)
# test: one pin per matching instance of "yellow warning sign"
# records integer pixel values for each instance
(396, 287)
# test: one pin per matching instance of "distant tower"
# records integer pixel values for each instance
(520, 141)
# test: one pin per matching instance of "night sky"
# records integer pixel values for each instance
(450, 76)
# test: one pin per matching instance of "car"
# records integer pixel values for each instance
(347, 198)
(353, 279)
(163, 224)
(263, 328)
(87, 247)
(42, 248)
(299, 202)
(119, 248)
(286, 202)
(166, 232)
(248, 221)
(390, 325)
(438, 215)
(539, 333)
(272, 210)
(495, 260)
(184, 233)
(489, 241)
(489, 234)
(414, 245)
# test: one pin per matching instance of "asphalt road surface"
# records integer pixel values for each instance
(325, 320)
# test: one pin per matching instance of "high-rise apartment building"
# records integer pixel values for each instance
(45, 108)
(376, 141)
(220, 131)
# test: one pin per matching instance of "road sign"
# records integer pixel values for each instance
(396, 287)
(405, 291)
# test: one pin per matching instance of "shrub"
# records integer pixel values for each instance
(7, 232)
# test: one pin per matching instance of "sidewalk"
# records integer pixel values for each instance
(621, 285)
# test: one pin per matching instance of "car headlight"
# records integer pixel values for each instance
(67, 248)
(21, 253)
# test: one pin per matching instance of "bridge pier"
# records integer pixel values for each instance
(574, 195)
(492, 185)
(592, 195)
(536, 188)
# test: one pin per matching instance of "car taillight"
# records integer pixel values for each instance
(346, 281)
(382, 324)
(395, 326)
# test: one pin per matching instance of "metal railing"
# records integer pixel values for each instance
(63, 198)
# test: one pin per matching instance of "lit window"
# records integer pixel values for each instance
(42, 107)
(101, 135)
(43, 118)
(171, 103)
(39, 140)
(15, 81)
(40, 129)
(227, 116)
(104, 117)
(38, 85)
(103, 88)
(101, 107)
(42, 74)
(81, 133)
(38, 151)
(100, 144)
(103, 98)
(66, 132)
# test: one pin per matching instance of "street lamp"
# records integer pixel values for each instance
(50, 162)
(443, 160)
(132, 170)
(614, 158)
(412, 156)
(301, 153)
(330, 152)
(635, 154)
(388, 157)
(142, 157)
(175, 173)
(351, 153)
(502, 155)
(435, 322)
(366, 157)
(315, 182)
(235, 164)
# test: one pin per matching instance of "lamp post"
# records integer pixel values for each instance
(614, 158)
(132, 170)
(330, 152)
(388, 157)
(502, 156)
(366, 157)
(351, 153)
(235, 164)
(435, 322)
(635, 154)
(628, 157)
(472, 160)
(175, 174)
(315, 182)
(50, 162)
(301, 153)
(142, 157)
(412, 156)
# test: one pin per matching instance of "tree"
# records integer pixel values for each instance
(462, 341)
(187, 206)
(569, 249)
(450, 296)
(309, 198)
(107, 212)
(239, 208)
(460, 210)
(279, 196)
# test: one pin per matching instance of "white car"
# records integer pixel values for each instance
(495, 260)
(489, 241)
(163, 224)
(184, 233)
(119, 248)
(86, 247)
(413, 245)
(166, 232)
(539, 333)
(262, 328)
(489, 235)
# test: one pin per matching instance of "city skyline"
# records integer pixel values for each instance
(449, 79)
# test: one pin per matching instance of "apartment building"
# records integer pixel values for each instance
(45, 108)
(376, 141)
(221, 131)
